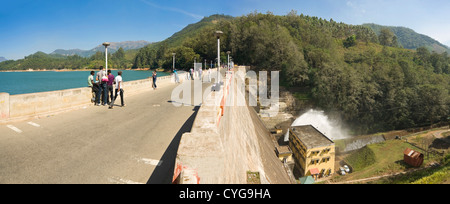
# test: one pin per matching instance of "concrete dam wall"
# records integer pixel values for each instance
(225, 143)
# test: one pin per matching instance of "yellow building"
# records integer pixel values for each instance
(313, 152)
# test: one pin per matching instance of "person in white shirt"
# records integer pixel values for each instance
(119, 88)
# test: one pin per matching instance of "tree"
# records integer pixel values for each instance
(387, 38)
(119, 55)
(185, 57)
(350, 41)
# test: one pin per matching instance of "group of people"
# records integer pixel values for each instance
(103, 86)
(195, 73)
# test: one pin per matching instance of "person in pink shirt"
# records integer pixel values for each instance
(110, 87)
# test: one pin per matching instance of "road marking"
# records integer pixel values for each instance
(122, 181)
(12, 127)
(156, 105)
(150, 161)
(34, 124)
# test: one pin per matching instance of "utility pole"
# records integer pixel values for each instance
(228, 52)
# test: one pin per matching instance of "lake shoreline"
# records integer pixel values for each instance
(26, 82)
(74, 70)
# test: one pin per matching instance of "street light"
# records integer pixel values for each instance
(218, 34)
(173, 54)
(106, 44)
(228, 52)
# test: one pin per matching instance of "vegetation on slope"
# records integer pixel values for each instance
(374, 87)
(409, 39)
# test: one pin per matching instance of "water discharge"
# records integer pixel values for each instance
(330, 128)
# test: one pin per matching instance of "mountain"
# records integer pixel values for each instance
(127, 45)
(2, 59)
(72, 52)
(410, 39)
(192, 29)
(344, 68)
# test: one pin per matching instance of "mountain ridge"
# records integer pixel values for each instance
(126, 45)
(410, 39)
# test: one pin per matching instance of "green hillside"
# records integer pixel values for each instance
(160, 54)
(191, 30)
(345, 68)
(41, 60)
(409, 39)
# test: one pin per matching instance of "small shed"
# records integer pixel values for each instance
(413, 158)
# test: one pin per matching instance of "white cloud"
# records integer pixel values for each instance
(173, 10)
(356, 7)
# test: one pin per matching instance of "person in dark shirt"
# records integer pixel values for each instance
(110, 85)
(154, 76)
(102, 87)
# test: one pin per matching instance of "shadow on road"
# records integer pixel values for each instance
(163, 174)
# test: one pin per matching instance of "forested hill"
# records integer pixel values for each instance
(191, 30)
(367, 79)
(409, 39)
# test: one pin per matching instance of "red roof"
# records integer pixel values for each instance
(314, 171)
(411, 153)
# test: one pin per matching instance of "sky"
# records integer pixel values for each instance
(28, 26)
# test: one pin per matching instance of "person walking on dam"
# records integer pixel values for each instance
(93, 86)
(154, 76)
(110, 86)
(177, 80)
(102, 81)
(119, 90)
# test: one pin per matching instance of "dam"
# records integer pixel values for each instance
(226, 143)
(151, 140)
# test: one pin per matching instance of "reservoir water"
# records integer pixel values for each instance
(31, 82)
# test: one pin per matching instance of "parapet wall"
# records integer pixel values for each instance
(25, 106)
(225, 143)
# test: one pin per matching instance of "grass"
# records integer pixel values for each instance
(438, 175)
(446, 134)
(361, 159)
(379, 159)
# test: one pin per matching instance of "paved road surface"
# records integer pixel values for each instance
(134, 144)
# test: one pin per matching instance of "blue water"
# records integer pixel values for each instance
(32, 82)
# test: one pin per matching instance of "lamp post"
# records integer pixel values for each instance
(218, 34)
(106, 44)
(195, 68)
(228, 52)
(173, 67)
